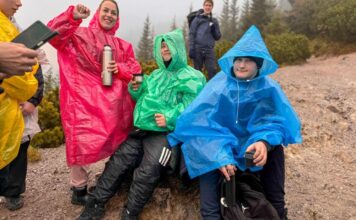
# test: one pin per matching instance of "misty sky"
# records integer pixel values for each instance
(132, 13)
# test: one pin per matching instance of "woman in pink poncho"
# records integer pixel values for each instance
(95, 118)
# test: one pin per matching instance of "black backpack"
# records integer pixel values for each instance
(248, 202)
(192, 15)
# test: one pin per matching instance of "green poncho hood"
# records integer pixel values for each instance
(167, 90)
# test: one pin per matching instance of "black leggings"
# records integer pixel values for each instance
(13, 176)
(141, 153)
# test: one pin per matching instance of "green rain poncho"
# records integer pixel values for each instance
(167, 90)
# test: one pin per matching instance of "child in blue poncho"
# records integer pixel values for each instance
(241, 109)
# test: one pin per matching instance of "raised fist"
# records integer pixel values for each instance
(80, 12)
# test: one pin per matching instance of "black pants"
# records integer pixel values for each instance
(205, 56)
(272, 178)
(141, 153)
(13, 176)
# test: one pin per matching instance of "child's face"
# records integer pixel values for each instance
(245, 68)
(166, 54)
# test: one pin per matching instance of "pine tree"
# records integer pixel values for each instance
(260, 12)
(234, 20)
(145, 46)
(174, 24)
(224, 20)
(245, 20)
(50, 81)
(185, 33)
(191, 7)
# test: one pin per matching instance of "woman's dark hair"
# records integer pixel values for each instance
(113, 1)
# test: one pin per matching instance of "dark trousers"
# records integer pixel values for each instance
(205, 56)
(140, 154)
(13, 176)
(272, 179)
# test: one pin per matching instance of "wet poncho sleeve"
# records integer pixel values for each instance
(187, 91)
(128, 67)
(66, 27)
(203, 134)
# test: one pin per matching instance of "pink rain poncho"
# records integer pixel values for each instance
(96, 119)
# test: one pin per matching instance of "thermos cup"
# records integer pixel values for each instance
(105, 74)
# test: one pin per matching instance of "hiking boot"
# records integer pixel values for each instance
(14, 203)
(79, 196)
(93, 210)
(127, 215)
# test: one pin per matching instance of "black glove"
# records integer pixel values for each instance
(192, 53)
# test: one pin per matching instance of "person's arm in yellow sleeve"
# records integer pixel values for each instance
(21, 88)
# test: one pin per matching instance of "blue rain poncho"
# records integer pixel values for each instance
(231, 114)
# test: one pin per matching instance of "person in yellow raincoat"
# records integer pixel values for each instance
(16, 89)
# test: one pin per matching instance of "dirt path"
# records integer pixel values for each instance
(321, 173)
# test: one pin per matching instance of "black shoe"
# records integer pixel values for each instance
(14, 203)
(93, 210)
(127, 215)
(79, 196)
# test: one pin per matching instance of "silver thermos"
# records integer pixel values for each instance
(105, 74)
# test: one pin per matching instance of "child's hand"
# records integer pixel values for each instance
(160, 120)
(227, 171)
(260, 156)
(27, 108)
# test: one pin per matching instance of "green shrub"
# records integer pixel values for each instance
(33, 154)
(288, 48)
(50, 122)
(148, 66)
(49, 138)
(322, 47)
(222, 47)
(338, 22)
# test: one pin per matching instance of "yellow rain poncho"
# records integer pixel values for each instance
(17, 89)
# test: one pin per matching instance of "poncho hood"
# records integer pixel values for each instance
(95, 24)
(250, 44)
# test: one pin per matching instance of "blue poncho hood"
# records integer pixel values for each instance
(231, 114)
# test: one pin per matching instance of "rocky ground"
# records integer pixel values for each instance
(320, 173)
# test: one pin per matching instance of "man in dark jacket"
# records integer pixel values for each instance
(203, 33)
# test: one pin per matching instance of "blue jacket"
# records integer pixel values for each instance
(202, 34)
(231, 114)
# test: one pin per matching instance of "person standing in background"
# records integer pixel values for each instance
(203, 33)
